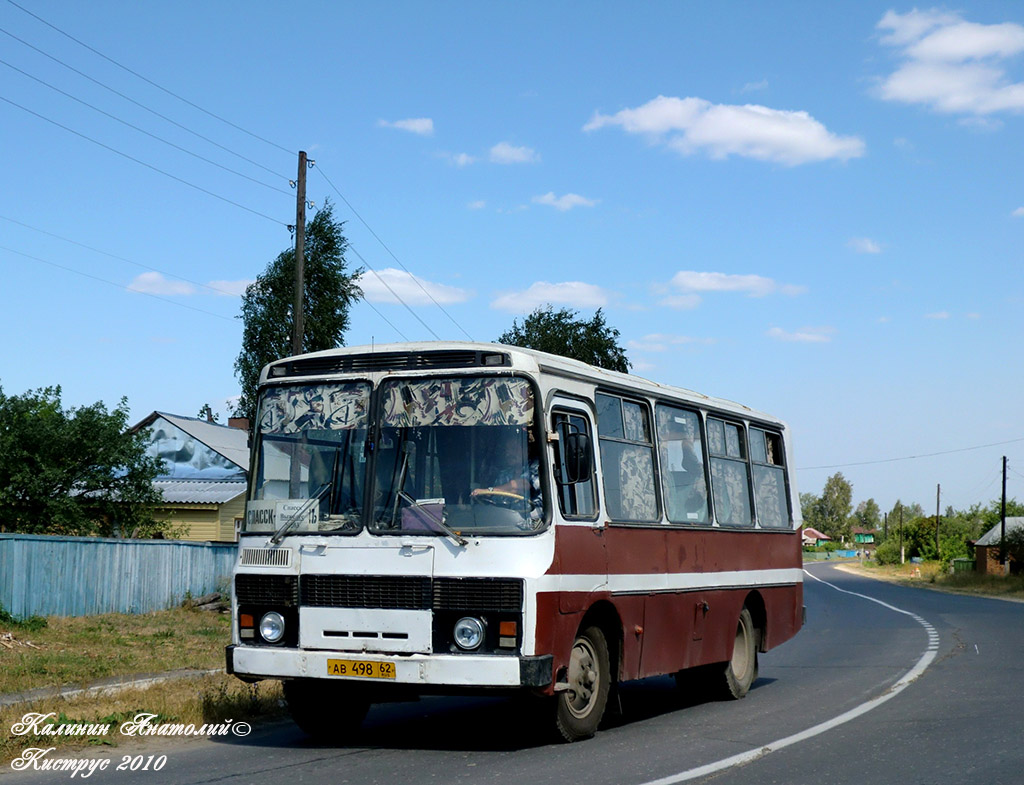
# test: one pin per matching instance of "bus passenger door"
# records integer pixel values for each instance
(580, 555)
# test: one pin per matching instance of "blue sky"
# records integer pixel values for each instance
(816, 210)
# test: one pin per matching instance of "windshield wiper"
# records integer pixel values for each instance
(300, 513)
(408, 450)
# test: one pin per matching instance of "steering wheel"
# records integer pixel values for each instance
(505, 499)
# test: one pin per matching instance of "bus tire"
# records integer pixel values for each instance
(580, 708)
(740, 671)
(326, 711)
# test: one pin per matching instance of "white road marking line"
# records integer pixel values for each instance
(816, 730)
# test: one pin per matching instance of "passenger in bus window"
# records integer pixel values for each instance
(682, 467)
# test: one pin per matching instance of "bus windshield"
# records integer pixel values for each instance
(450, 457)
(310, 474)
(457, 456)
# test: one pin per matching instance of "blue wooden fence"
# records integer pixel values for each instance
(80, 576)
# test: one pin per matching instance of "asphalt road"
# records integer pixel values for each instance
(910, 686)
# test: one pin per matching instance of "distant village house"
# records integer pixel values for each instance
(205, 474)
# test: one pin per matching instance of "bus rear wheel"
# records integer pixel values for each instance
(580, 708)
(738, 674)
(326, 711)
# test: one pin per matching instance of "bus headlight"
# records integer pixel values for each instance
(469, 633)
(272, 627)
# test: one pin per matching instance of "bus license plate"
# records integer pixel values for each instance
(367, 669)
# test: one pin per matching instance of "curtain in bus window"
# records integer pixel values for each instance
(769, 479)
(682, 465)
(770, 496)
(732, 497)
(316, 407)
(629, 481)
(469, 401)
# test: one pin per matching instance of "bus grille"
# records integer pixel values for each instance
(412, 593)
(357, 591)
(266, 590)
(480, 594)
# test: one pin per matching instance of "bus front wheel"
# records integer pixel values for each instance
(579, 708)
(326, 711)
(739, 672)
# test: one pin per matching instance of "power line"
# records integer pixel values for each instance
(415, 315)
(144, 131)
(385, 247)
(910, 457)
(141, 105)
(115, 256)
(148, 81)
(142, 163)
(113, 283)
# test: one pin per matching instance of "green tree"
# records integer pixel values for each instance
(561, 332)
(207, 413)
(74, 471)
(830, 512)
(330, 291)
(868, 515)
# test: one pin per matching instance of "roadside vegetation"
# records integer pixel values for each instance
(935, 575)
(73, 652)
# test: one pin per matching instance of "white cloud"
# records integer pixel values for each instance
(937, 315)
(952, 65)
(230, 288)
(565, 202)
(1019, 212)
(803, 334)
(691, 125)
(690, 281)
(504, 153)
(659, 342)
(753, 87)
(864, 245)
(681, 302)
(573, 293)
(410, 288)
(423, 126)
(155, 283)
(479, 204)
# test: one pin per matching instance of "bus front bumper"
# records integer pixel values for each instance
(443, 670)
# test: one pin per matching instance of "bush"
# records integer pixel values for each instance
(28, 624)
(888, 553)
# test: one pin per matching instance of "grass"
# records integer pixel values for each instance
(78, 651)
(209, 699)
(931, 575)
(81, 650)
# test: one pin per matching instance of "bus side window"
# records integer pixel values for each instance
(576, 500)
(627, 459)
(769, 479)
(730, 476)
(683, 484)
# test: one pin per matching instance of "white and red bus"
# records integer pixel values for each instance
(462, 517)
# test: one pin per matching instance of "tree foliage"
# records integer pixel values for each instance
(330, 291)
(74, 471)
(561, 332)
(830, 512)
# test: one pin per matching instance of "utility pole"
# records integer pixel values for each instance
(938, 493)
(902, 559)
(885, 527)
(1002, 522)
(298, 306)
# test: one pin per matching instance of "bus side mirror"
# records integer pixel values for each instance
(577, 458)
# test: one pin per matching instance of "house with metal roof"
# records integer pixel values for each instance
(986, 547)
(205, 474)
